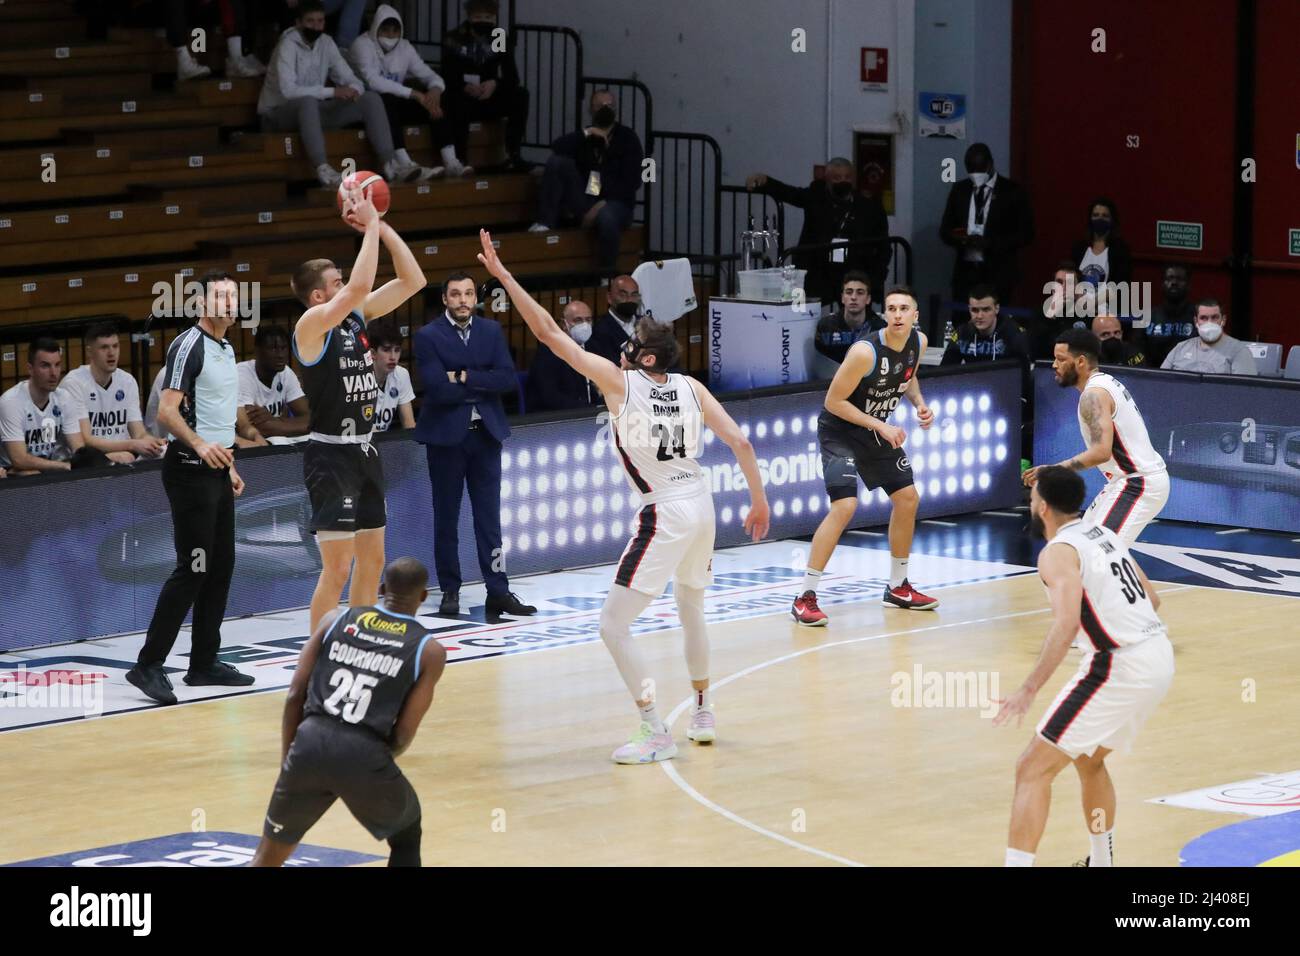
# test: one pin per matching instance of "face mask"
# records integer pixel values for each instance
(1112, 350)
(1209, 331)
(979, 179)
(626, 310)
(581, 332)
(842, 190)
(310, 36)
(604, 117)
(480, 28)
(389, 44)
(1100, 227)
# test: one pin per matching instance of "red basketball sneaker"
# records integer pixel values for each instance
(806, 611)
(908, 597)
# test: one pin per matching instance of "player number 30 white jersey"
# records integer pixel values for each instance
(1116, 609)
(1131, 450)
(658, 434)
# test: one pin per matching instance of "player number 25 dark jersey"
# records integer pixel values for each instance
(369, 661)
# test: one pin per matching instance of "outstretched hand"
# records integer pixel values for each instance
(491, 261)
(358, 210)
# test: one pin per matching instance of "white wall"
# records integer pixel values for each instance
(725, 67)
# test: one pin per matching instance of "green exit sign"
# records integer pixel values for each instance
(1294, 236)
(1179, 235)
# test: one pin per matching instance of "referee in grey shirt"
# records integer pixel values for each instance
(200, 399)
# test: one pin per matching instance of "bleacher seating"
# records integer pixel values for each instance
(114, 178)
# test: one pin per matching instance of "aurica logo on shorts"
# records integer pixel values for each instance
(75, 908)
(371, 621)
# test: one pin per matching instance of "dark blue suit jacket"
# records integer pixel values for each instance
(445, 410)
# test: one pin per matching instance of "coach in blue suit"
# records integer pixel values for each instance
(465, 366)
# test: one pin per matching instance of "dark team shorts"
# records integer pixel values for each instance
(346, 486)
(850, 453)
(330, 760)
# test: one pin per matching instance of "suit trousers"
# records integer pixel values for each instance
(476, 463)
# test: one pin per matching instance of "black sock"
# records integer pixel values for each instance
(405, 846)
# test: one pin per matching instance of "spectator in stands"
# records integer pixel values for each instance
(38, 419)
(296, 97)
(108, 400)
(618, 323)
(180, 24)
(270, 395)
(1067, 283)
(1211, 352)
(1103, 256)
(834, 209)
(1174, 319)
(350, 14)
(593, 176)
(388, 64)
(552, 384)
(988, 335)
(987, 220)
(393, 409)
(1114, 349)
(483, 81)
(837, 331)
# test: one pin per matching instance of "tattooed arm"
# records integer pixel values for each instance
(1096, 408)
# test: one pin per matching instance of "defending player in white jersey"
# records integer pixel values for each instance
(657, 422)
(108, 400)
(1098, 592)
(1137, 484)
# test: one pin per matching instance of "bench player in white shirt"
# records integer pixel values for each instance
(658, 419)
(393, 407)
(1137, 484)
(271, 398)
(108, 399)
(38, 419)
(1098, 592)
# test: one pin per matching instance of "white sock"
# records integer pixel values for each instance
(403, 157)
(702, 700)
(1019, 858)
(897, 571)
(448, 155)
(1103, 848)
(650, 715)
(234, 48)
(811, 578)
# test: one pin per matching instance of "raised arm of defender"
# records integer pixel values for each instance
(604, 374)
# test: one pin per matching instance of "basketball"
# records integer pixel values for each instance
(376, 190)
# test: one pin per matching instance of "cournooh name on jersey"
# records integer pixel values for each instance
(340, 384)
(1116, 610)
(109, 409)
(658, 434)
(1131, 449)
(369, 660)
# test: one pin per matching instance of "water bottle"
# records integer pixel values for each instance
(949, 333)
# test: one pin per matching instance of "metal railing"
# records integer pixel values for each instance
(550, 68)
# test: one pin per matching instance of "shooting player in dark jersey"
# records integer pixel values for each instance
(363, 684)
(344, 476)
(857, 440)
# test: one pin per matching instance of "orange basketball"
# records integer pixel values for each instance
(372, 184)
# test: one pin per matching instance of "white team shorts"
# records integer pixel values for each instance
(1128, 503)
(1106, 703)
(673, 539)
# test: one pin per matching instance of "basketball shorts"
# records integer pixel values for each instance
(346, 486)
(1106, 703)
(1128, 503)
(671, 540)
(850, 454)
(330, 760)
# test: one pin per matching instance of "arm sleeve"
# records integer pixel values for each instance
(1243, 363)
(184, 363)
(433, 373)
(133, 413)
(628, 178)
(75, 397)
(567, 145)
(11, 421)
(953, 218)
(500, 376)
(405, 393)
(364, 55)
(339, 70)
(286, 71)
(74, 411)
(783, 192)
(1169, 359)
(421, 71)
(245, 386)
(508, 72)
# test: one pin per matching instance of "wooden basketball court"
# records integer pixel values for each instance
(814, 764)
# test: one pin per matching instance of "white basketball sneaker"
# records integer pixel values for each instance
(646, 746)
(703, 728)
